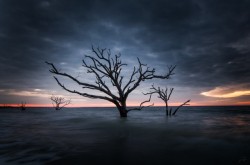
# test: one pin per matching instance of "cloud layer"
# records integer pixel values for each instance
(208, 40)
(227, 92)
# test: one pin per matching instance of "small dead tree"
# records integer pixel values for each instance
(59, 102)
(23, 106)
(109, 80)
(165, 94)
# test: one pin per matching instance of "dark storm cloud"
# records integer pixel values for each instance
(208, 40)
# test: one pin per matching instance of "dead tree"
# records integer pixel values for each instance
(23, 106)
(107, 70)
(59, 102)
(165, 94)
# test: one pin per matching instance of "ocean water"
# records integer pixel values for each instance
(86, 136)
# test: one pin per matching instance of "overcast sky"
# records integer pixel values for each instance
(208, 40)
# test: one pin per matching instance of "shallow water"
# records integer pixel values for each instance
(197, 135)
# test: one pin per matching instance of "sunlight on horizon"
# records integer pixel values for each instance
(92, 104)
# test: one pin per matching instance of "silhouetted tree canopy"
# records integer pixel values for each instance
(59, 102)
(164, 95)
(107, 69)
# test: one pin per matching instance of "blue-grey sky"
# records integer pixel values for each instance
(208, 40)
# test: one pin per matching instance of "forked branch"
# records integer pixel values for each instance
(142, 105)
(165, 95)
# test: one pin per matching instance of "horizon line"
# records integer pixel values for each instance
(33, 106)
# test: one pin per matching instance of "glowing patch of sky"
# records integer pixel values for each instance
(219, 92)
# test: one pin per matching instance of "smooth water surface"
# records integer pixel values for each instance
(196, 135)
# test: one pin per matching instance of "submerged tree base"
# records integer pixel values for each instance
(123, 113)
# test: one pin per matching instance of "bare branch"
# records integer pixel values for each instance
(141, 105)
(171, 90)
(145, 73)
(83, 94)
(165, 96)
(85, 85)
(185, 103)
(162, 94)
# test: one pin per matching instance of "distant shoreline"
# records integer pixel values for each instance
(13, 107)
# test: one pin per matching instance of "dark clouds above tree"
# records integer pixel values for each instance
(208, 40)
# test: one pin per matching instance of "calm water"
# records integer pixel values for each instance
(197, 136)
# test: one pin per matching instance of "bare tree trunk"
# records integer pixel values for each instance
(123, 111)
(23, 106)
(167, 109)
(57, 107)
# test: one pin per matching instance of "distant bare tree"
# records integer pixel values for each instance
(165, 94)
(23, 106)
(59, 102)
(107, 68)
